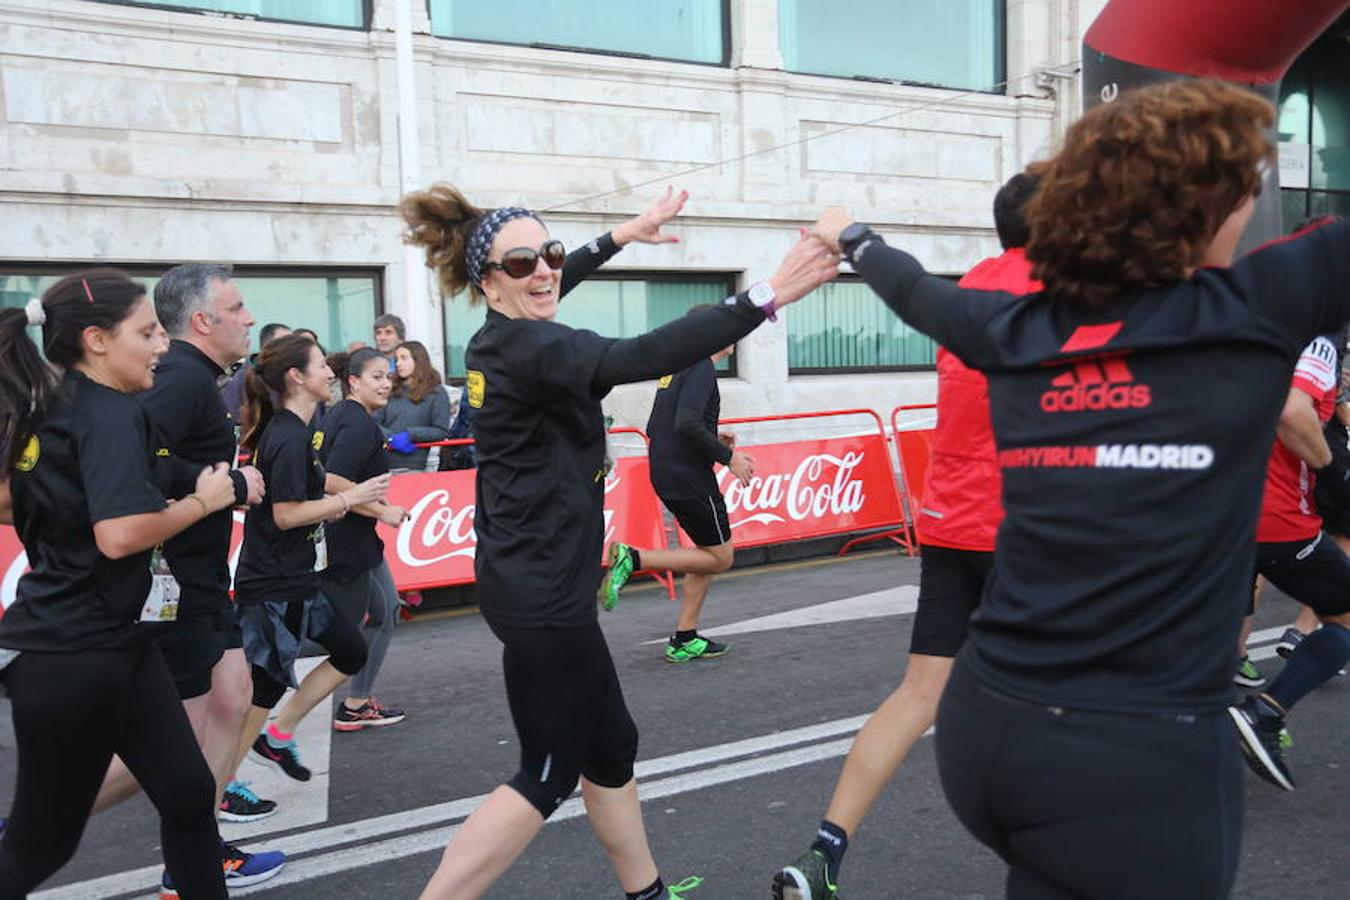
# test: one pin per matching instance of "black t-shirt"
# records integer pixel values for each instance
(353, 447)
(276, 564)
(192, 430)
(1123, 567)
(683, 429)
(90, 460)
(535, 388)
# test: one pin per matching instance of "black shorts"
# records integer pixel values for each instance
(950, 585)
(193, 645)
(703, 518)
(1315, 572)
(568, 709)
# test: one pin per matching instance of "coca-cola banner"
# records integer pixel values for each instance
(806, 489)
(435, 547)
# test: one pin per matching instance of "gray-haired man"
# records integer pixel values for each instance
(204, 313)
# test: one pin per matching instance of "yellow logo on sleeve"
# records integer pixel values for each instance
(477, 386)
(29, 458)
(664, 382)
(162, 451)
(317, 441)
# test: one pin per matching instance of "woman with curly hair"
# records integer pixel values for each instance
(1084, 734)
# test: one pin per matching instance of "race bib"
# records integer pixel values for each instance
(161, 604)
(320, 548)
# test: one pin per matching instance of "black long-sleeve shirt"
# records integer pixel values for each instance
(683, 430)
(1124, 564)
(535, 388)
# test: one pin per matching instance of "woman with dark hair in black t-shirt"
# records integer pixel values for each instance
(277, 582)
(535, 386)
(357, 580)
(84, 680)
(1084, 734)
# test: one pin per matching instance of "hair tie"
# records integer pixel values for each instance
(484, 233)
(36, 312)
(88, 293)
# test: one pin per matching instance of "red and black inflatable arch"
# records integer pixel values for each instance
(1250, 42)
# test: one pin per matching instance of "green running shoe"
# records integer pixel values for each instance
(806, 879)
(676, 891)
(1248, 675)
(620, 570)
(696, 648)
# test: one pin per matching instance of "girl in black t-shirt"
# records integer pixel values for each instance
(357, 580)
(285, 550)
(85, 681)
(535, 386)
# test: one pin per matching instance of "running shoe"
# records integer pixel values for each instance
(676, 891)
(620, 570)
(286, 757)
(241, 869)
(1248, 675)
(368, 715)
(1259, 735)
(239, 804)
(806, 879)
(697, 647)
(1291, 638)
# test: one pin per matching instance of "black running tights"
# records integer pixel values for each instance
(1093, 806)
(72, 712)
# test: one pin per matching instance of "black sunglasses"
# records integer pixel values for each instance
(520, 261)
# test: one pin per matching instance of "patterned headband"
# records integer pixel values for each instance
(480, 242)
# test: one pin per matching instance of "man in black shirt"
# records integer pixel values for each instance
(685, 443)
(204, 313)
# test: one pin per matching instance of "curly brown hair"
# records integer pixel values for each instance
(1142, 185)
(441, 221)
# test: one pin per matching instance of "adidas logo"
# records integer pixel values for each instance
(1096, 384)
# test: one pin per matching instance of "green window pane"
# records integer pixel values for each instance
(1329, 61)
(345, 13)
(1294, 207)
(955, 43)
(847, 327)
(611, 307)
(339, 309)
(1330, 204)
(690, 30)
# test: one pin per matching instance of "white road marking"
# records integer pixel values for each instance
(896, 601)
(431, 820)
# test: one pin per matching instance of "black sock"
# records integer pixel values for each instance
(653, 891)
(637, 559)
(684, 637)
(832, 842)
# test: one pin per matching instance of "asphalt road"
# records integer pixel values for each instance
(739, 756)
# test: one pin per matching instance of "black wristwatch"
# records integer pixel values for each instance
(851, 237)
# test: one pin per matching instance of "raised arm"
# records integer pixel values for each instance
(644, 229)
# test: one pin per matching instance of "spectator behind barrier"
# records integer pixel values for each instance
(418, 410)
(389, 332)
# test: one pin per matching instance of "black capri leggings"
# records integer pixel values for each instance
(1093, 806)
(341, 637)
(568, 710)
(72, 712)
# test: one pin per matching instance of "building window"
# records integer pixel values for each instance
(686, 30)
(954, 44)
(845, 328)
(1314, 129)
(616, 305)
(341, 13)
(339, 305)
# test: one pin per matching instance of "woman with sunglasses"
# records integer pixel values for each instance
(1084, 734)
(85, 681)
(357, 580)
(277, 584)
(535, 386)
